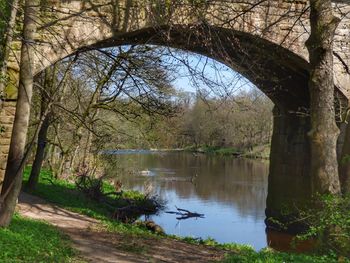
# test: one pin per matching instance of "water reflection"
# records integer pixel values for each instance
(231, 193)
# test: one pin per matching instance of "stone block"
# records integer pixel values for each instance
(7, 134)
(2, 175)
(4, 149)
(5, 141)
(7, 120)
(3, 161)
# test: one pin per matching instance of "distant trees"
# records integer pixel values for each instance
(242, 121)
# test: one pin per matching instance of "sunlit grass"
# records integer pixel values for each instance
(33, 241)
(65, 195)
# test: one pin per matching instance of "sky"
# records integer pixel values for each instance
(199, 72)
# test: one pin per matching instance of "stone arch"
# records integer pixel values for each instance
(263, 40)
(279, 73)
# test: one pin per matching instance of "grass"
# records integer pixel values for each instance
(270, 256)
(33, 241)
(246, 254)
(64, 195)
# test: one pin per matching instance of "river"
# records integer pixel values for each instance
(231, 193)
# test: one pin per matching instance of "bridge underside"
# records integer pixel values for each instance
(278, 72)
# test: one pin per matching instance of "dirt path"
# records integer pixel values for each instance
(100, 246)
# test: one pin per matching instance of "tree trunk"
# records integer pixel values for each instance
(15, 164)
(40, 154)
(47, 96)
(60, 166)
(324, 131)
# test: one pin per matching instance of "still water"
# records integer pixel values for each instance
(231, 193)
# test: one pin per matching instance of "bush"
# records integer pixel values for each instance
(329, 222)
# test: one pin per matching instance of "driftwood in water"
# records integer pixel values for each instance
(185, 214)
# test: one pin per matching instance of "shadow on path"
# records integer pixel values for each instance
(96, 245)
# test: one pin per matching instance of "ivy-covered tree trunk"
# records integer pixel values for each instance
(324, 131)
(15, 164)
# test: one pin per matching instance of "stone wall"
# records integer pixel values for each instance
(7, 115)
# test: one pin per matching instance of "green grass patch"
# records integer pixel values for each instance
(65, 195)
(27, 240)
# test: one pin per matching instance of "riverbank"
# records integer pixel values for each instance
(256, 152)
(136, 242)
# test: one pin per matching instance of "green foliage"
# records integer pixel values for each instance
(4, 16)
(329, 221)
(268, 256)
(33, 241)
(245, 253)
(64, 194)
(345, 159)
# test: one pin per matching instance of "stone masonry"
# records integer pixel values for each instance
(7, 115)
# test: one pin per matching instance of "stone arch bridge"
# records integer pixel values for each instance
(264, 40)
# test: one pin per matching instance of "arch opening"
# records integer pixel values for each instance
(279, 73)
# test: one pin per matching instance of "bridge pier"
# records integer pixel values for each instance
(289, 184)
